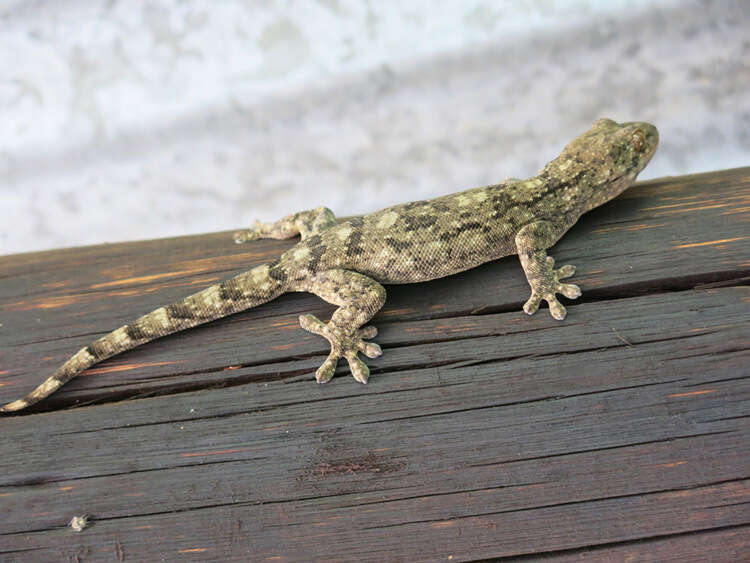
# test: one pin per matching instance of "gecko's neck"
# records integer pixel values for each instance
(575, 187)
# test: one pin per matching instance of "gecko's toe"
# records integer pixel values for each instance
(255, 232)
(368, 332)
(532, 305)
(313, 324)
(569, 290)
(245, 236)
(556, 309)
(359, 369)
(370, 349)
(566, 271)
(325, 372)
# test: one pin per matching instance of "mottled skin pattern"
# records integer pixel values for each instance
(345, 263)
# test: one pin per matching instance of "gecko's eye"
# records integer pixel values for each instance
(638, 140)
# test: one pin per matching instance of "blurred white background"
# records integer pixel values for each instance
(141, 119)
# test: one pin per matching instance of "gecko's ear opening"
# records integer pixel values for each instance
(604, 122)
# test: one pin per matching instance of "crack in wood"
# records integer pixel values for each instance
(444, 494)
(604, 448)
(594, 547)
(559, 504)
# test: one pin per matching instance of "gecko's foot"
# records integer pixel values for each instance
(548, 286)
(257, 231)
(343, 345)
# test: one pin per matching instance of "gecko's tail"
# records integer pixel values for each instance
(249, 289)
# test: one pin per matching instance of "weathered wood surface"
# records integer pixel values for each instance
(623, 432)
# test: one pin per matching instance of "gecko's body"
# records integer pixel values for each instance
(345, 263)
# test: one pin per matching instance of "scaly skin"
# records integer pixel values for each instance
(346, 263)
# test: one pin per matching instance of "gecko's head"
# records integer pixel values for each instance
(614, 150)
(605, 159)
(624, 148)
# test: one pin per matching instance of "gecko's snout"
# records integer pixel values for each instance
(652, 137)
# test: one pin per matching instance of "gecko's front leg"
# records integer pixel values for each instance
(531, 244)
(358, 298)
(303, 223)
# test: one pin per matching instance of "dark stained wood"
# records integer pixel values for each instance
(620, 434)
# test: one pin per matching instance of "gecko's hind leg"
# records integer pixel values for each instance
(358, 298)
(303, 223)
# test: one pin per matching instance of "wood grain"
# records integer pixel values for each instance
(621, 433)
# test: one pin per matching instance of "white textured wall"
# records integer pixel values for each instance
(130, 119)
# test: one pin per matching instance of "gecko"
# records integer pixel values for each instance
(347, 262)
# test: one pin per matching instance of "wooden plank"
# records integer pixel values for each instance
(660, 235)
(621, 432)
(619, 442)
